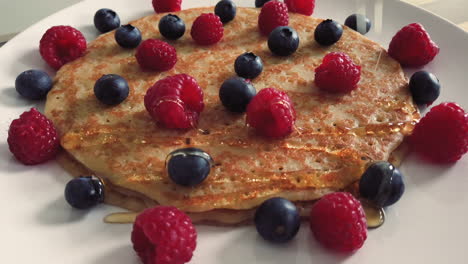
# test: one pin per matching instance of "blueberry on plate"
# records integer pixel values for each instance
(260, 3)
(188, 166)
(424, 87)
(359, 23)
(111, 89)
(236, 93)
(128, 36)
(283, 41)
(248, 65)
(171, 27)
(33, 84)
(84, 192)
(106, 19)
(328, 32)
(382, 184)
(226, 10)
(277, 220)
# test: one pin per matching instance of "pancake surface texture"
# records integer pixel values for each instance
(336, 137)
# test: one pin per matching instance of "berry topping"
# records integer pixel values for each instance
(164, 235)
(260, 3)
(236, 93)
(441, 136)
(305, 7)
(328, 32)
(162, 6)
(188, 166)
(337, 73)
(424, 87)
(128, 36)
(106, 20)
(382, 184)
(84, 192)
(32, 138)
(277, 220)
(171, 27)
(175, 101)
(111, 89)
(207, 29)
(248, 65)
(412, 46)
(226, 10)
(271, 113)
(60, 45)
(283, 41)
(272, 15)
(338, 222)
(359, 23)
(33, 84)
(156, 55)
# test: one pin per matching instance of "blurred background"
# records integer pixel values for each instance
(17, 15)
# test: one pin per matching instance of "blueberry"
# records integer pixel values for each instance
(128, 36)
(382, 184)
(277, 220)
(359, 23)
(188, 166)
(260, 3)
(236, 93)
(226, 10)
(171, 27)
(33, 84)
(283, 41)
(248, 65)
(84, 192)
(111, 89)
(424, 87)
(106, 20)
(328, 32)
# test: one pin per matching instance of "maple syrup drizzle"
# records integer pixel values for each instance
(375, 216)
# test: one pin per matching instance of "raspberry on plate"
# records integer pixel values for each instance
(32, 138)
(412, 46)
(441, 136)
(175, 101)
(164, 235)
(207, 29)
(305, 7)
(156, 55)
(162, 6)
(272, 15)
(61, 44)
(271, 113)
(337, 73)
(338, 222)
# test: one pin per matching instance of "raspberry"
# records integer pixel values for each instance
(272, 15)
(156, 55)
(61, 44)
(441, 136)
(305, 7)
(207, 29)
(412, 46)
(164, 235)
(32, 138)
(337, 73)
(338, 222)
(175, 101)
(162, 6)
(271, 113)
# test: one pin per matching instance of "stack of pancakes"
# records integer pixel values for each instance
(337, 135)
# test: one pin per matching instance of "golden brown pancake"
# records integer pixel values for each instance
(336, 137)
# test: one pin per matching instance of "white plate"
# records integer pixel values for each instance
(429, 224)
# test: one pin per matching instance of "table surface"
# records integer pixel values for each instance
(20, 14)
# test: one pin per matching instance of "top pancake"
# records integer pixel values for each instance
(336, 135)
